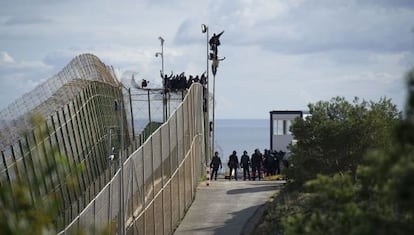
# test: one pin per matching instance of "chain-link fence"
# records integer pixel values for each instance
(156, 185)
(150, 106)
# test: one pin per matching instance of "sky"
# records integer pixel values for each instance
(280, 54)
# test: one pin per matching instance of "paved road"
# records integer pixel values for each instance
(226, 207)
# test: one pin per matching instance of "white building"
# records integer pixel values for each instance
(280, 122)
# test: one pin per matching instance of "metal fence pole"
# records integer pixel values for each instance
(178, 164)
(171, 174)
(144, 203)
(153, 186)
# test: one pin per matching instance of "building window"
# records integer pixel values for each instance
(288, 124)
(278, 127)
(281, 127)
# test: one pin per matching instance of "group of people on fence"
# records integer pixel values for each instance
(266, 164)
(181, 82)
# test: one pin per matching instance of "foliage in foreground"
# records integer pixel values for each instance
(24, 210)
(380, 202)
(378, 198)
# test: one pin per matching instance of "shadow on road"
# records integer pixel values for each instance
(253, 189)
(238, 222)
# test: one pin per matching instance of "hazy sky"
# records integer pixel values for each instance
(279, 54)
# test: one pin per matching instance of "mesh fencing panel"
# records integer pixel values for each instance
(77, 109)
(15, 118)
(81, 125)
(159, 178)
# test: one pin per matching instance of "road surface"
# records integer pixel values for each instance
(227, 207)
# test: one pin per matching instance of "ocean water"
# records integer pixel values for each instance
(240, 135)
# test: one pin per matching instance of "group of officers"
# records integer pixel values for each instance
(266, 164)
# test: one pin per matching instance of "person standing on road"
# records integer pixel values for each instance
(269, 163)
(245, 164)
(215, 164)
(233, 165)
(256, 164)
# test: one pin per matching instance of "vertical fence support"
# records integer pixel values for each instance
(27, 178)
(30, 156)
(144, 203)
(9, 180)
(149, 109)
(171, 175)
(162, 182)
(132, 118)
(109, 206)
(178, 163)
(153, 185)
(185, 161)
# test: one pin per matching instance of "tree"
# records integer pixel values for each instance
(379, 201)
(337, 134)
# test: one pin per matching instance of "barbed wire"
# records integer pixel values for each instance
(45, 99)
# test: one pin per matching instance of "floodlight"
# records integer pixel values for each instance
(204, 28)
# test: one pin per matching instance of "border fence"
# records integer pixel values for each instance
(89, 121)
(156, 184)
(15, 118)
(76, 110)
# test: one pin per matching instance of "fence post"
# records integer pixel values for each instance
(27, 172)
(162, 182)
(153, 186)
(149, 108)
(178, 166)
(144, 203)
(171, 174)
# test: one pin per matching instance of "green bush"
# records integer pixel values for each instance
(367, 187)
(334, 138)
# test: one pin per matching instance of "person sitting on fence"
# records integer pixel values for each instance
(203, 79)
(166, 79)
(144, 83)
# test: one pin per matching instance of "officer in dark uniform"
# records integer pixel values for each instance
(256, 164)
(245, 164)
(233, 165)
(215, 164)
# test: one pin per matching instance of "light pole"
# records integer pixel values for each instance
(204, 29)
(161, 54)
(163, 80)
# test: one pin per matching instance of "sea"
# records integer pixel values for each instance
(239, 135)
